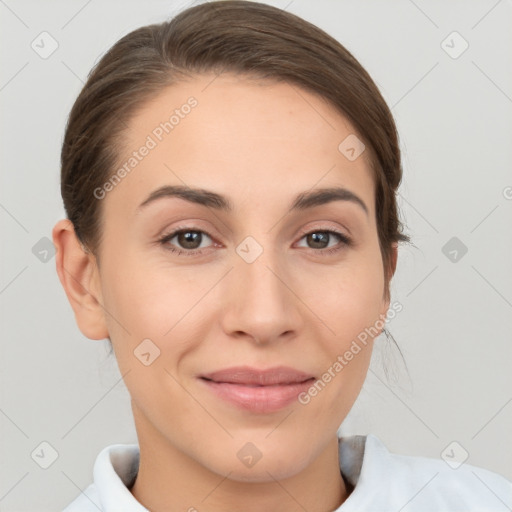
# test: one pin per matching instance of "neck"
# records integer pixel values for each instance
(169, 479)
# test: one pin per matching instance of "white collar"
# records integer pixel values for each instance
(381, 480)
(116, 467)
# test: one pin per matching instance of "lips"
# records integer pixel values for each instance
(248, 376)
(258, 391)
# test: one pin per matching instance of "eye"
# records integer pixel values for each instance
(321, 237)
(190, 240)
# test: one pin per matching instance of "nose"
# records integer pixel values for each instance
(260, 303)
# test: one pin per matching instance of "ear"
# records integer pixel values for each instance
(391, 272)
(79, 276)
(393, 259)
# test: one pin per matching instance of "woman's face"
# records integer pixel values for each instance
(271, 286)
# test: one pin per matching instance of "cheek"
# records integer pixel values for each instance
(351, 310)
(148, 301)
(350, 299)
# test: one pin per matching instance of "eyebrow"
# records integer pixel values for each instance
(302, 201)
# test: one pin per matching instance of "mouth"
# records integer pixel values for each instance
(260, 391)
(245, 375)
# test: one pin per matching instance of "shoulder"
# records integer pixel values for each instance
(420, 483)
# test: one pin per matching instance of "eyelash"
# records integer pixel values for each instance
(345, 241)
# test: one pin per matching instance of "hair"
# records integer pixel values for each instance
(234, 36)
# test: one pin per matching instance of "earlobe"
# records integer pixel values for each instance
(78, 274)
(394, 258)
(391, 271)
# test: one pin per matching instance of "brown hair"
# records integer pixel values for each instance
(237, 36)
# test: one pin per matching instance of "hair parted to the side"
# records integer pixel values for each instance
(236, 36)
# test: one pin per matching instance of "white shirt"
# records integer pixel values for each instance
(383, 482)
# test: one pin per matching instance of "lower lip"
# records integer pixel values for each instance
(260, 399)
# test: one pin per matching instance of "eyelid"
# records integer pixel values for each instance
(304, 231)
(326, 226)
(187, 225)
(171, 233)
(345, 241)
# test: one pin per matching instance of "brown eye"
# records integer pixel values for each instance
(188, 241)
(319, 240)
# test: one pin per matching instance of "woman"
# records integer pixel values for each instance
(229, 179)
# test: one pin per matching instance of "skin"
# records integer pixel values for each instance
(260, 144)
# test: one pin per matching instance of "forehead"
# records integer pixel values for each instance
(253, 140)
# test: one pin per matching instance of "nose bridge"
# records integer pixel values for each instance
(260, 303)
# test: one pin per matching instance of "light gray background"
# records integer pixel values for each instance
(454, 119)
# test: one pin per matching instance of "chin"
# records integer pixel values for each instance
(262, 473)
(266, 465)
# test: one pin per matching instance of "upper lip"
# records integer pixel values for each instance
(252, 376)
